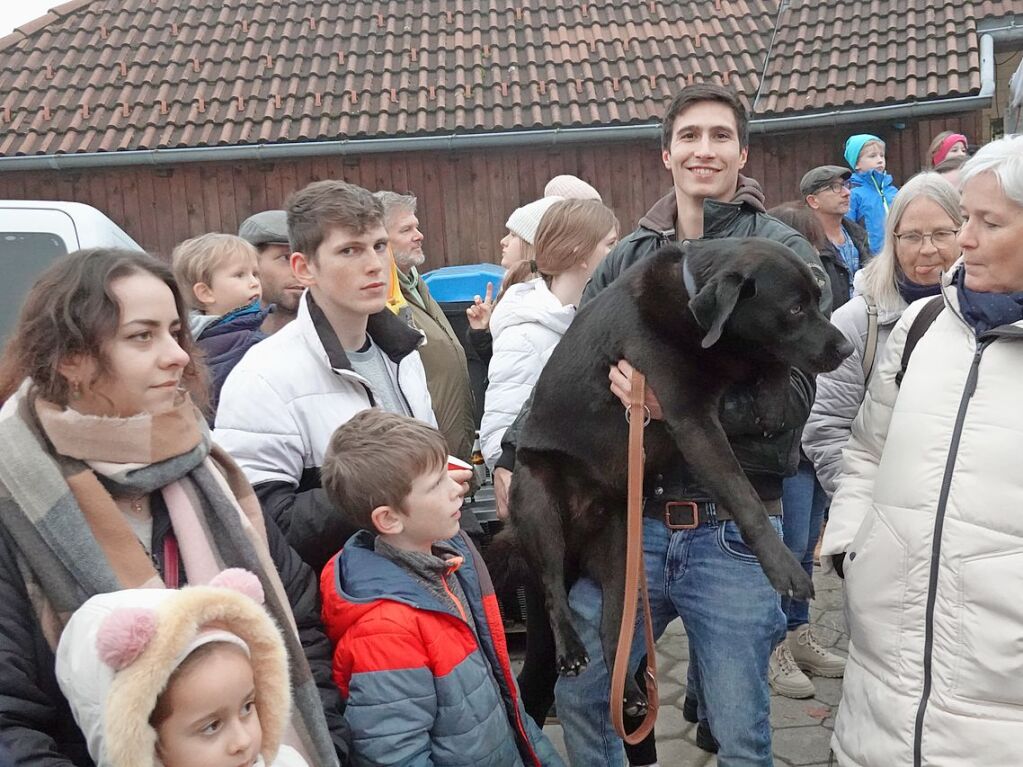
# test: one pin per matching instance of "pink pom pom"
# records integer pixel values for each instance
(240, 580)
(124, 634)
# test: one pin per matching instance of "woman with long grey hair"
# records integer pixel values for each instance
(920, 244)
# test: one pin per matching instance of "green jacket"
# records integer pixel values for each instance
(447, 376)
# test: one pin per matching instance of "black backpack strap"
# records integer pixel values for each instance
(921, 322)
(870, 347)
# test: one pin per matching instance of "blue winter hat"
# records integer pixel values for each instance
(854, 145)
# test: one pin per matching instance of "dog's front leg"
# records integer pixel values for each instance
(538, 520)
(698, 434)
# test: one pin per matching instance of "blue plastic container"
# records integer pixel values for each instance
(451, 284)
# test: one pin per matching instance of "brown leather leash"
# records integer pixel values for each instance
(635, 579)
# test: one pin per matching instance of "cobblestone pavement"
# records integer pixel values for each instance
(801, 728)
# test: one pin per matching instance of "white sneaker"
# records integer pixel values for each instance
(811, 656)
(785, 677)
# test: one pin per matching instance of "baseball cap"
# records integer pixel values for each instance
(818, 178)
(270, 226)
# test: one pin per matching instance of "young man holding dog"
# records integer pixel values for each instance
(698, 568)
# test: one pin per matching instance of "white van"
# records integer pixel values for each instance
(33, 234)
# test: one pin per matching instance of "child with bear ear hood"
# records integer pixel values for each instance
(194, 677)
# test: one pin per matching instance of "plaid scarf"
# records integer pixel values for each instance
(57, 471)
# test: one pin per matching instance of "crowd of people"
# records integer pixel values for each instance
(231, 526)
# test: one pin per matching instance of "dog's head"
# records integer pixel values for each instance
(757, 291)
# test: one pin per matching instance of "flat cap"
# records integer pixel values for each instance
(270, 226)
(818, 178)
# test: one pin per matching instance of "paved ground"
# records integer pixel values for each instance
(802, 728)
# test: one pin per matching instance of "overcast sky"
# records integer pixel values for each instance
(14, 13)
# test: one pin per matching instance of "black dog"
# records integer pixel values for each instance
(694, 321)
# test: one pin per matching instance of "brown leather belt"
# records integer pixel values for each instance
(689, 515)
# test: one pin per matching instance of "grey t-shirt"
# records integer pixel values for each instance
(369, 363)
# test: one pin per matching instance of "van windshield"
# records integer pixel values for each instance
(23, 257)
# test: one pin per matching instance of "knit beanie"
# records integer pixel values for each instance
(854, 145)
(525, 221)
(118, 651)
(571, 188)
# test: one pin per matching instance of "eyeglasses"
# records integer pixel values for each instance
(835, 186)
(940, 238)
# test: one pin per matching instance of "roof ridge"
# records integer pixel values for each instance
(29, 28)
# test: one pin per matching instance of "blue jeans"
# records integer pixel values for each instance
(803, 501)
(732, 616)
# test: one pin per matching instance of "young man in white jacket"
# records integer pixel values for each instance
(343, 353)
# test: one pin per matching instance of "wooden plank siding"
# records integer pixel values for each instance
(464, 197)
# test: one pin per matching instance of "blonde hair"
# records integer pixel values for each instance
(880, 276)
(569, 232)
(195, 260)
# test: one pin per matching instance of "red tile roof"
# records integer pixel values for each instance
(108, 75)
(867, 53)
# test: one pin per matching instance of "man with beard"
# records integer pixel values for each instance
(268, 233)
(447, 375)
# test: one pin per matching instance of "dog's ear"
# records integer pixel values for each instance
(714, 302)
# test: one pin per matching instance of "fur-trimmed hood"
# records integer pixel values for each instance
(119, 650)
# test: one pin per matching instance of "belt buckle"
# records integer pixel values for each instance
(686, 526)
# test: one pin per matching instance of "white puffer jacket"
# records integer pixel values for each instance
(929, 511)
(526, 325)
(840, 392)
(289, 393)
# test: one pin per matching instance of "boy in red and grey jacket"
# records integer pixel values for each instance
(420, 651)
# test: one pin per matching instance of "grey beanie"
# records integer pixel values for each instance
(525, 221)
(270, 226)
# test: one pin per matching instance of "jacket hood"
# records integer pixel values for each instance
(246, 319)
(529, 302)
(661, 216)
(119, 649)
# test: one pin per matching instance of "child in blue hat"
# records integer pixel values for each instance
(872, 188)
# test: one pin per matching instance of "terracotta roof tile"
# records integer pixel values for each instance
(830, 55)
(111, 75)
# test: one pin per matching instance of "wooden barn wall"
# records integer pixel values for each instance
(464, 197)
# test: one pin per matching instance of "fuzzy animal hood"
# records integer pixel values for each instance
(142, 632)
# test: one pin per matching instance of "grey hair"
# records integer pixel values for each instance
(1004, 158)
(394, 202)
(880, 276)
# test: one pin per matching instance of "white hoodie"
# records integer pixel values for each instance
(526, 325)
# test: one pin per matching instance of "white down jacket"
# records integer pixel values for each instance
(929, 511)
(840, 392)
(281, 403)
(526, 325)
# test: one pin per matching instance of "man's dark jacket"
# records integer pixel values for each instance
(766, 460)
(834, 264)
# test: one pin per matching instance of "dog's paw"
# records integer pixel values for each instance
(634, 703)
(790, 580)
(572, 657)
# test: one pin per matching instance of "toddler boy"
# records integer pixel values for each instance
(872, 189)
(420, 652)
(219, 279)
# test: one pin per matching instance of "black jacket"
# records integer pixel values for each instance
(765, 459)
(838, 272)
(36, 725)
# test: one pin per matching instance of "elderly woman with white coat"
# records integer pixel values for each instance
(927, 523)
(919, 244)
